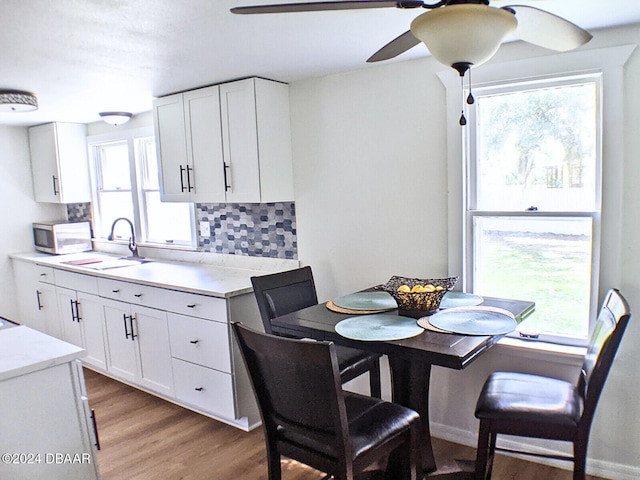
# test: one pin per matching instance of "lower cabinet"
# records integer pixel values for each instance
(138, 349)
(36, 296)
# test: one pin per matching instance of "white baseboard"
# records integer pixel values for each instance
(599, 468)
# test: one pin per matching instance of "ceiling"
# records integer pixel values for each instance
(81, 57)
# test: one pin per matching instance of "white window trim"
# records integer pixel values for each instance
(610, 61)
(129, 136)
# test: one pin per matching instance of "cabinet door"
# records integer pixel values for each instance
(152, 339)
(68, 316)
(31, 304)
(121, 349)
(92, 323)
(169, 123)
(44, 163)
(204, 144)
(240, 141)
(59, 163)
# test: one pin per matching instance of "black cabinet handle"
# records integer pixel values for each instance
(137, 295)
(75, 315)
(189, 187)
(38, 293)
(95, 428)
(77, 305)
(192, 305)
(227, 185)
(115, 291)
(194, 341)
(182, 170)
(133, 335)
(199, 389)
(55, 185)
(126, 330)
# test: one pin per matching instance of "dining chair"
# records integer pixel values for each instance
(284, 292)
(308, 417)
(534, 406)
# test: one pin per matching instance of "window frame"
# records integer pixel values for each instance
(134, 138)
(610, 62)
(472, 211)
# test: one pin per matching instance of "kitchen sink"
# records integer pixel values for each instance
(106, 263)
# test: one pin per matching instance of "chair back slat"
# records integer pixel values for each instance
(284, 292)
(604, 342)
(298, 389)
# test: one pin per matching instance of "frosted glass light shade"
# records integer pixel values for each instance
(115, 118)
(465, 33)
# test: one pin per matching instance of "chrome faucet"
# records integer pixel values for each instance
(132, 239)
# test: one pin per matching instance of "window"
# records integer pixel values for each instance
(533, 201)
(126, 184)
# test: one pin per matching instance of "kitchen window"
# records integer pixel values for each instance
(532, 221)
(126, 184)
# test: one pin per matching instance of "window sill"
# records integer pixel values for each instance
(550, 352)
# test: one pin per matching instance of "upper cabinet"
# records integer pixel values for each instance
(59, 163)
(229, 143)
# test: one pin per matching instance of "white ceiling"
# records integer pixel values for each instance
(81, 57)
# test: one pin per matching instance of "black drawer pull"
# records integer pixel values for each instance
(115, 291)
(194, 341)
(199, 389)
(193, 305)
(137, 295)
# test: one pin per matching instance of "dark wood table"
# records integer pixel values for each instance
(410, 360)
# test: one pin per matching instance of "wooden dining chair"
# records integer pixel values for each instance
(284, 292)
(541, 407)
(308, 417)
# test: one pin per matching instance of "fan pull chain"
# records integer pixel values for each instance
(470, 99)
(463, 119)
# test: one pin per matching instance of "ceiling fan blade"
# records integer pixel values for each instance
(395, 47)
(547, 30)
(320, 6)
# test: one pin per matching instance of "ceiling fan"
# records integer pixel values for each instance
(458, 33)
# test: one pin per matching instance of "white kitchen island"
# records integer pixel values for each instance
(45, 425)
(161, 326)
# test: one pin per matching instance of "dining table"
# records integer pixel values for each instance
(410, 359)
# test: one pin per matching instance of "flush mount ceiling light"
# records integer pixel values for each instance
(116, 118)
(17, 101)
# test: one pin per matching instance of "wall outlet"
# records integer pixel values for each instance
(205, 228)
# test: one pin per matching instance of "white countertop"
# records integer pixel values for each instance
(24, 350)
(205, 279)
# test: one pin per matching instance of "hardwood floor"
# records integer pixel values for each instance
(145, 438)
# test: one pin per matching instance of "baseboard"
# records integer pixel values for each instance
(595, 467)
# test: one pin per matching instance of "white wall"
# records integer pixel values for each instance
(18, 209)
(370, 173)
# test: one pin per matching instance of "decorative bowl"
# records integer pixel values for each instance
(418, 304)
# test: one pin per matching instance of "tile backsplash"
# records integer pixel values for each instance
(252, 229)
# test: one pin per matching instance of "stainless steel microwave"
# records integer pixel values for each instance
(62, 237)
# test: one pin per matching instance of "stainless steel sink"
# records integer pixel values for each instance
(106, 263)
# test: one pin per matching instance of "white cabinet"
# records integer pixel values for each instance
(37, 304)
(138, 350)
(256, 135)
(189, 143)
(59, 163)
(44, 409)
(226, 143)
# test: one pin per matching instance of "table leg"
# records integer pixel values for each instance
(410, 388)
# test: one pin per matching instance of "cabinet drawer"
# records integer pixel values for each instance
(77, 281)
(44, 274)
(164, 299)
(194, 305)
(203, 388)
(204, 342)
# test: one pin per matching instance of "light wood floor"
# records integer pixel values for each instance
(146, 438)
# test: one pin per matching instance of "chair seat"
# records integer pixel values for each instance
(520, 397)
(353, 362)
(371, 422)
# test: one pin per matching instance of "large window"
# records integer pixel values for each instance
(126, 184)
(533, 201)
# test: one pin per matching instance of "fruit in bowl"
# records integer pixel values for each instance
(418, 297)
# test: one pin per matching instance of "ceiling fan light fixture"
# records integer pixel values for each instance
(465, 33)
(116, 118)
(17, 101)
